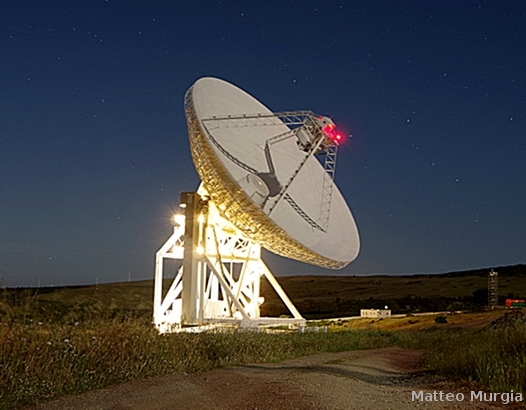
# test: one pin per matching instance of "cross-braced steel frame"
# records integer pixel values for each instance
(493, 289)
(221, 269)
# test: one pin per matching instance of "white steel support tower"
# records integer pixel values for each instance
(219, 280)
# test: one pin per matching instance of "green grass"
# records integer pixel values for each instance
(40, 362)
(494, 358)
(314, 296)
(72, 340)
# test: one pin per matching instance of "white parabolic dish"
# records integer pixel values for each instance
(222, 156)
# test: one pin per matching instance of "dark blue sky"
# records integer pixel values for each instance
(94, 150)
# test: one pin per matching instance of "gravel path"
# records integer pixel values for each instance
(377, 379)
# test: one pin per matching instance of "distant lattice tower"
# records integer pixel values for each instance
(493, 289)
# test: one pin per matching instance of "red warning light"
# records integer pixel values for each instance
(333, 135)
(328, 128)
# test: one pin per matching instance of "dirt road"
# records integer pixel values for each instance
(377, 379)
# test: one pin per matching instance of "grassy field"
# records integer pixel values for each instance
(314, 296)
(41, 361)
(476, 320)
(336, 296)
(70, 340)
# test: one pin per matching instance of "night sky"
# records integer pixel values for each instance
(94, 149)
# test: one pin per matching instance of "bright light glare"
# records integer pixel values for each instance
(201, 218)
(179, 219)
(200, 250)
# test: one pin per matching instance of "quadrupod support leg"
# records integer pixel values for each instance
(218, 281)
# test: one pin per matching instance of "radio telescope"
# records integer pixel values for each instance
(267, 181)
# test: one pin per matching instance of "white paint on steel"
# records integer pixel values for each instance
(225, 295)
(340, 242)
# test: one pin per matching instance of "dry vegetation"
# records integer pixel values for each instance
(40, 361)
(63, 341)
(475, 320)
(341, 296)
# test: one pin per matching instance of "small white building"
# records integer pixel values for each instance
(375, 313)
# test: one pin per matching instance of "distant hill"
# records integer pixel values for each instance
(511, 270)
(314, 296)
(325, 296)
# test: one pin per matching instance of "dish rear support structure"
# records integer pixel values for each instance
(218, 282)
(304, 128)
